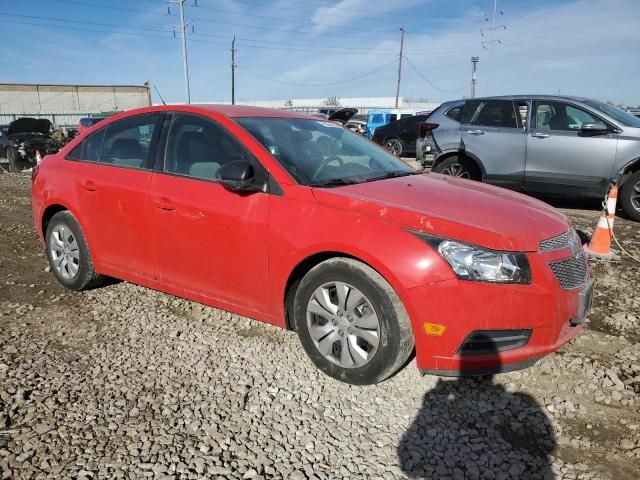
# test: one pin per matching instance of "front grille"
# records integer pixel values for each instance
(556, 243)
(571, 272)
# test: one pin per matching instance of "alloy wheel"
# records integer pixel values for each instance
(456, 170)
(394, 146)
(65, 255)
(343, 324)
(635, 196)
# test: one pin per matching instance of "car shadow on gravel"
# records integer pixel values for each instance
(473, 428)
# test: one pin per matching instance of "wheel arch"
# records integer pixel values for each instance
(303, 267)
(48, 214)
(626, 171)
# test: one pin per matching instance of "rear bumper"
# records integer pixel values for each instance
(464, 307)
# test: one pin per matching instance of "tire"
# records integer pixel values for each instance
(394, 146)
(458, 166)
(68, 253)
(630, 196)
(14, 159)
(368, 298)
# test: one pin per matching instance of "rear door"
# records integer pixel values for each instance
(492, 134)
(113, 192)
(561, 159)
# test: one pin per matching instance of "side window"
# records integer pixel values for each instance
(127, 142)
(76, 153)
(198, 147)
(92, 145)
(561, 116)
(494, 113)
(454, 113)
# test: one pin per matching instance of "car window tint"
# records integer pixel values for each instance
(561, 116)
(92, 146)
(493, 113)
(454, 113)
(198, 147)
(76, 153)
(127, 142)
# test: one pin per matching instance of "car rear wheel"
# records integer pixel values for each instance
(68, 253)
(14, 159)
(394, 146)
(460, 167)
(630, 196)
(351, 322)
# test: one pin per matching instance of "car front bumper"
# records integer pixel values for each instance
(551, 314)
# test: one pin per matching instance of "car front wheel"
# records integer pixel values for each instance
(351, 322)
(630, 196)
(68, 253)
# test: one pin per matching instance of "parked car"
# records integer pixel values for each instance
(380, 117)
(544, 145)
(357, 124)
(303, 224)
(446, 119)
(400, 137)
(5, 142)
(27, 135)
(338, 115)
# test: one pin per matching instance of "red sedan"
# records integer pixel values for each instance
(300, 223)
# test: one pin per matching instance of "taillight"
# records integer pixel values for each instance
(426, 127)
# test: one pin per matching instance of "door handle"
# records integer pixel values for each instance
(540, 135)
(164, 204)
(476, 132)
(89, 186)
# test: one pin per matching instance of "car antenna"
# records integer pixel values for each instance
(158, 92)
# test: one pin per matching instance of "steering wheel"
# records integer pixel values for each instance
(325, 163)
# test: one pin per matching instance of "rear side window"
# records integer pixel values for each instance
(127, 142)
(454, 113)
(92, 145)
(198, 147)
(489, 113)
(76, 153)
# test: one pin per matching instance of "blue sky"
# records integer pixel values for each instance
(302, 49)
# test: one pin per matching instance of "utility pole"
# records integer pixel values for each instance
(474, 76)
(493, 31)
(185, 61)
(233, 71)
(400, 63)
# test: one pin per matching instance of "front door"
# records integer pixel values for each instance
(208, 240)
(493, 135)
(561, 159)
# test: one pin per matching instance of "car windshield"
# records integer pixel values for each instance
(322, 153)
(625, 118)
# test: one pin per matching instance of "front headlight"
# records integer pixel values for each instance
(470, 262)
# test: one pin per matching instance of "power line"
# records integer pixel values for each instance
(413, 67)
(35, 17)
(291, 84)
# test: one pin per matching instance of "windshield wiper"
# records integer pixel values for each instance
(333, 182)
(392, 175)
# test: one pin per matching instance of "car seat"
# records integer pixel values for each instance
(127, 152)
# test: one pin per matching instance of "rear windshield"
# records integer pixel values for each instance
(625, 118)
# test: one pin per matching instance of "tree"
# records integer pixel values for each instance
(288, 103)
(332, 101)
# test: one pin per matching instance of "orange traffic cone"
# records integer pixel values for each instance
(38, 157)
(600, 244)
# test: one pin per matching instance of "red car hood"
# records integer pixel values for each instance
(449, 207)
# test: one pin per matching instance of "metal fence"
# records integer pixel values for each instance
(59, 120)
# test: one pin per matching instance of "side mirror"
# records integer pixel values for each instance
(238, 176)
(594, 128)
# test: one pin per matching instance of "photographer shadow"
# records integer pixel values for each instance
(473, 428)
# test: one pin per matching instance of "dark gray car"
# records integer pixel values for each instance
(543, 145)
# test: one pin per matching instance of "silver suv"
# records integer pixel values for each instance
(542, 145)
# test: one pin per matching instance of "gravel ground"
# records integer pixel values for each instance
(126, 382)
